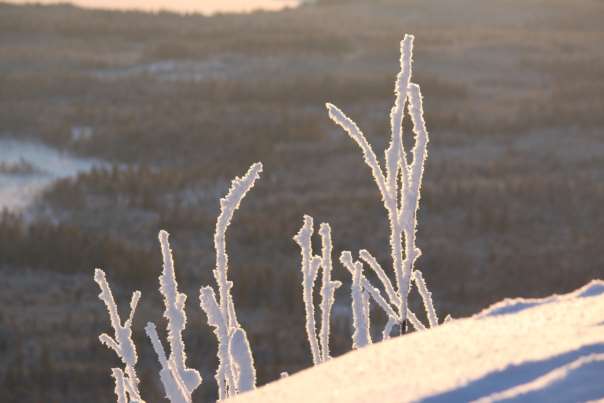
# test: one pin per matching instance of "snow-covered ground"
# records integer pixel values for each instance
(547, 350)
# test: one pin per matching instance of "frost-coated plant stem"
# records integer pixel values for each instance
(400, 197)
(236, 371)
(176, 390)
(426, 298)
(310, 267)
(328, 288)
(126, 382)
(408, 214)
(174, 370)
(120, 385)
(360, 310)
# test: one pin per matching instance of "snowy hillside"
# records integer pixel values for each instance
(548, 349)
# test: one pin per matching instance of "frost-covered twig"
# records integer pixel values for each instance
(328, 288)
(126, 381)
(120, 385)
(188, 379)
(310, 266)
(408, 213)
(210, 306)
(234, 374)
(243, 362)
(176, 390)
(375, 266)
(399, 187)
(426, 298)
(360, 310)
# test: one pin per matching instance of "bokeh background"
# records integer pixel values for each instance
(116, 124)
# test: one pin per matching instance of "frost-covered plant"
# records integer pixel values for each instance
(399, 187)
(126, 381)
(179, 381)
(360, 309)
(236, 372)
(310, 268)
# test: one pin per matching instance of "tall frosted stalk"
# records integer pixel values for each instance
(399, 185)
(235, 372)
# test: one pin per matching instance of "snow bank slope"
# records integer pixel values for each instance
(517, 350)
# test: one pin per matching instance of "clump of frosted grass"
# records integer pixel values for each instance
(399, 187)
(236, 372)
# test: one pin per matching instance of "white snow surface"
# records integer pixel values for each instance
(549, 349)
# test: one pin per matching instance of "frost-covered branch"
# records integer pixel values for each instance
(175, 375)
(408, 214)
(381, 274)
(310, 267)
(360, 310)
(355, 133)
(243, 362)
(399, 187)
(224, 376)
(120, 385)
(328, 288)
(175, 388)
(234, 374)
(426, 297)
(126, 382)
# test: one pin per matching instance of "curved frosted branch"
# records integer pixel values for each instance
(369, 155)
(426, 297)
(381, 274)
(221, 314)
(346, 260)
(228, 205)
(417, 324)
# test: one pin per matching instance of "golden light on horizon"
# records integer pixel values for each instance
(200, 6)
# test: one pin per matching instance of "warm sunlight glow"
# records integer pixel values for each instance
(200, 6)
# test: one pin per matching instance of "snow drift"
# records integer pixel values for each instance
(519, 350)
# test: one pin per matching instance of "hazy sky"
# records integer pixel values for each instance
(203, 6)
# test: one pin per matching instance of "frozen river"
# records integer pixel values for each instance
(27, 168)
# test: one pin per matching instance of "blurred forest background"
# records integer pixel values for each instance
(165, 109)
